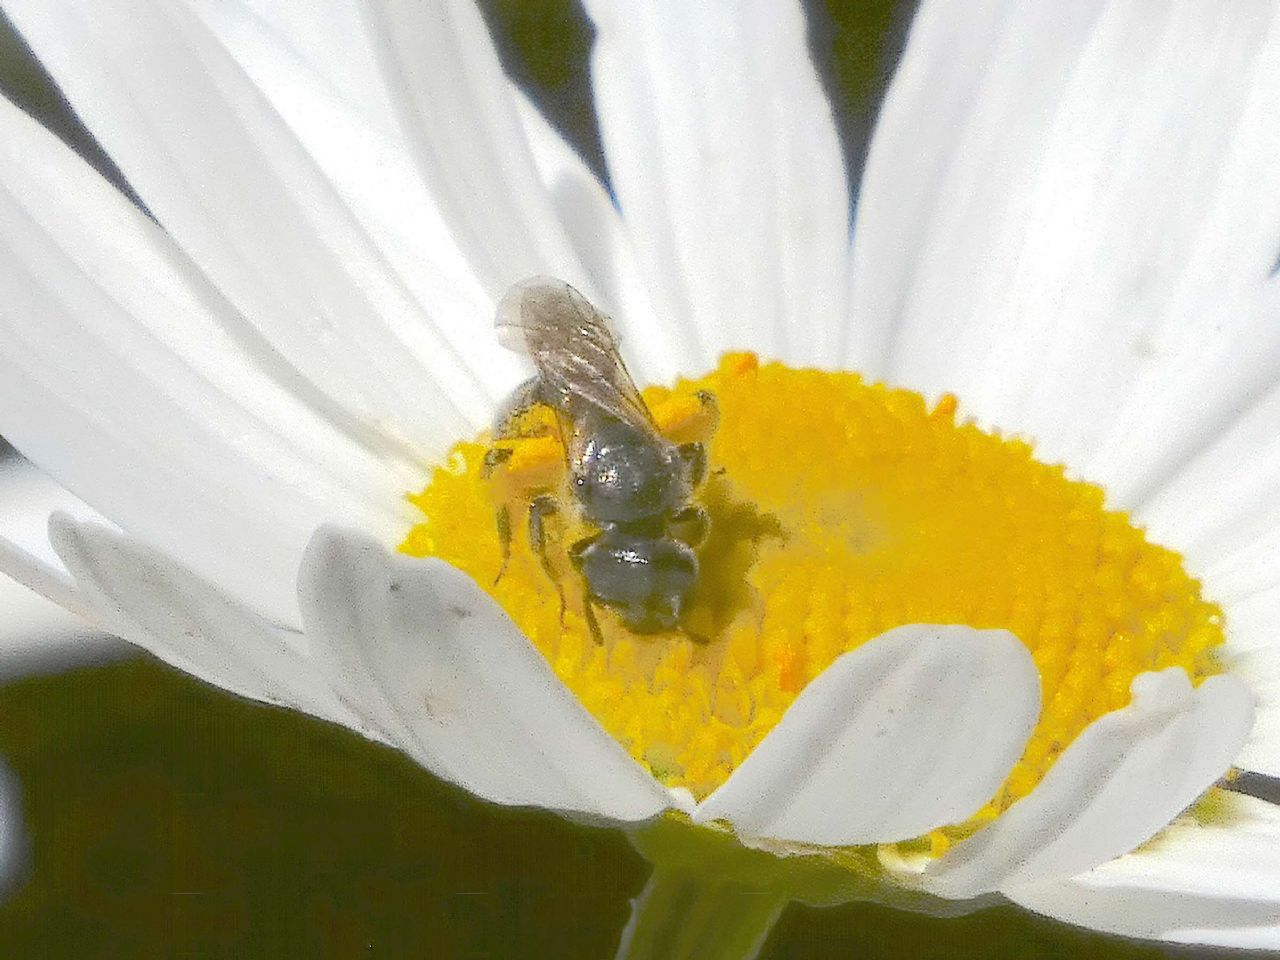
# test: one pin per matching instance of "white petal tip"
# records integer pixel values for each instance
(1127, 775)
(913, 730)
(683, 800)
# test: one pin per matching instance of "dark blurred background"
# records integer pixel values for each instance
(165, 819)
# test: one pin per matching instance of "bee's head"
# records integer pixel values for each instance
(647, 580)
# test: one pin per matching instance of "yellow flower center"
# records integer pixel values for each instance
(839, 510)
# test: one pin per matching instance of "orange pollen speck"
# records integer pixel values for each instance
(839, 510)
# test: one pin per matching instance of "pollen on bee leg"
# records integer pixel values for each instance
(839, 510)
(524, 463)
(687, 417)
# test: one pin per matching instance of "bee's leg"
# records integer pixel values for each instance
(683, 417)
(504, 540)
(691, 525)
(540, 511)
(593, 625)
(694, 456)
(710, 413)
(698, 638)
(588, 608)
(528, 394)
(494, 457)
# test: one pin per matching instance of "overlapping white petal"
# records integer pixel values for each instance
(35, 632)
(1210, 880)
(140, 594)
(316, 69)
(28, 497)
(461, 123)
(414, 653)
(913, 730)
(1126, 776)
(603, 246)
(1260, 669)
(725, 162)
(1069, 215)
(972, 95)
(228, 179)
(517, 199)
(477, 704)
(1098, 232)
(410, 652)
(1221, 511)
(119, 361)
(325, 42)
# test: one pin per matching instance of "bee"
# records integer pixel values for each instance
(630, 482)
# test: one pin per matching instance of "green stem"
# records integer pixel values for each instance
(683, 916)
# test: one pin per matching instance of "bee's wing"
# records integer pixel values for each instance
(570, 343)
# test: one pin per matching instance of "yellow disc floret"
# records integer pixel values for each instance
(839, 510)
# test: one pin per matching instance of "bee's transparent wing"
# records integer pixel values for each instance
(570, 343)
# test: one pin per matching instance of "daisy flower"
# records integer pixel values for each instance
(986, 603)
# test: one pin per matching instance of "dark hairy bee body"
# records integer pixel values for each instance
(627, 480)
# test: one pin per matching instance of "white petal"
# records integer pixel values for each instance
(27, 498)
(1260, 669)
(726, 164)
(317, 69)
(913, 730)
(33, 628)
(328, 42)
(320, 73)
(22, 569)
(425, 647)
(227, 178)
(126, 377)
(973, 92)
(148, 599)
(1127, 775)
(461, 122)
(39, 636)
(36, 634)
(1095, 245)
(1043, 271)
(1221, 512)
(1213, 883)
(602, 245)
